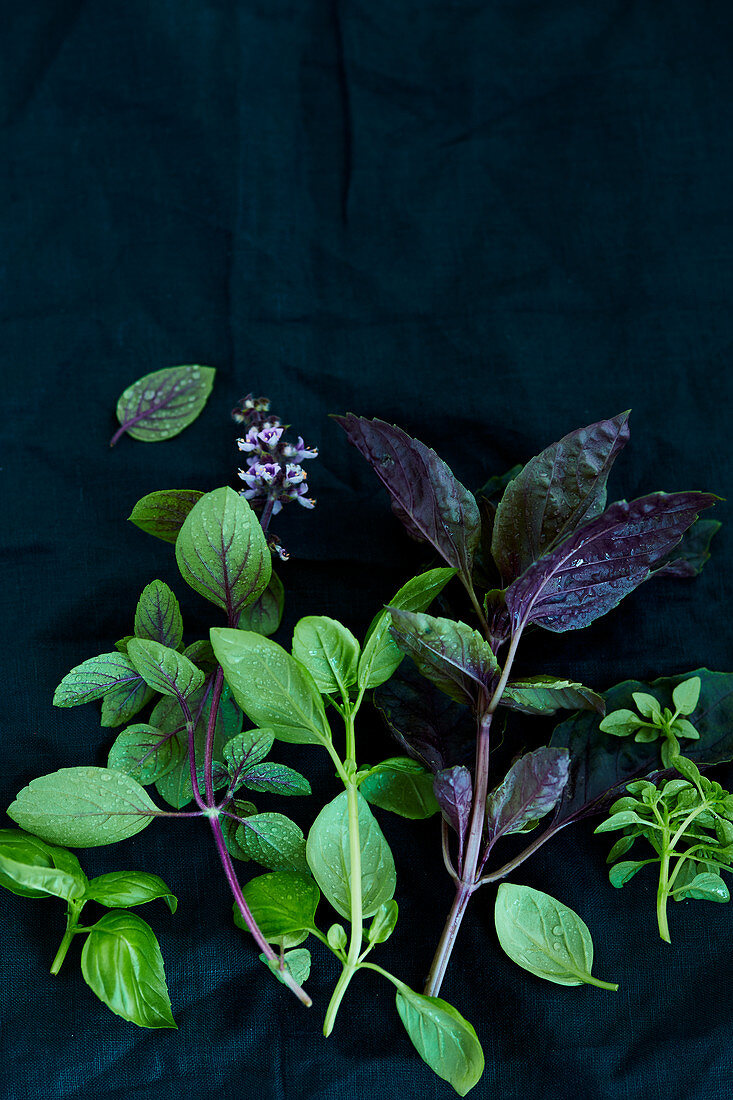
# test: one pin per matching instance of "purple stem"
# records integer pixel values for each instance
(210, 731)
(267, 514)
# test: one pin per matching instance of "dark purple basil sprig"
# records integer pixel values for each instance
(566, 560)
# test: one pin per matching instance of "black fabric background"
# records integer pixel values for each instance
(489, 221)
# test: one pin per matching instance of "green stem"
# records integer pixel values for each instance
(662, 894)
(73, 913)
(590, 980)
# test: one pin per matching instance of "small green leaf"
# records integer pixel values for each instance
(161, 404)
(162, 513)
(682, 728)
(229, 827)
(95, 678)
(647, 734)
(145, 753)
(275, 779)
(623, 872)
(547, 695)
(383, 923)
(274, 841)
(544, 936)
(620, 723)
(337, 938)
(687, 768)
(329, 857)
(265, 614)
(281, 903)
(158, 616)
(121, 889)
(620, 821)
(83, 807)
(121, 962)
(620, 848)
(706, 887)
(402, 786)
(442, 1038)
(35, 881)
(164, 669)
(687, 695)
(247, 749)
(328, 650)
(648, 706)
(202, 655)
(297, 963)
(121, 645)
(32, 852)
(121, 704)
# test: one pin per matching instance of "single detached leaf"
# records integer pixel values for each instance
(544, 936)
(530, 790)
(158, 616)
(160, 405)
(450, 654)
(402, 786)
(32, 853)
(603, 561)
(95, 678)
(145, 753)
(328, 650)
(275, 779)
(686, 695)
(297, 963)
(426, 496)
(547, 695)
(384, 922)
(329, 857)
(122, 889)
(222, 552)
(706, 887)
(265, 614)
(556, 492)
(273, 689)
(274, 841)
(453, 789)
(162, 513)
(121, 962)
(281, 903)
(442, 1038)
(688, 558)
(83, 807)
(163, 669)
(381, 655)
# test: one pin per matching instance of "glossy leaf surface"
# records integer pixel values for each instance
(328, 650)
(162, 513)
(158, 616)
(121, 962)
(402, 786)
(548, 694)
(531, 789)
(160, 405)
(442, 1038)
(450, 654)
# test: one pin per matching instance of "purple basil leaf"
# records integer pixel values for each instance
(124, 702)
(601, 764)
(687, 559)
(450, 654)
(454, 791)
(429, 500)
(532, 787)
(163, 403)
(592, 571)
(95, 678)
(556, 492)
(548, 694)
(497, 618)
(428, 725)
(162, 513)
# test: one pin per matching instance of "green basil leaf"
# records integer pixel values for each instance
(706, 887)
(621, 847)
(328, 650)
(648, 706)
(442, 1038)
(452, 655)
(121, 962)
(687, 695)
(162, 513)
(384, 922)
(121, 704)
(83, 807)
(247, 749)
(273, 689)
(35, 881)
(622, 873)
(202, 655)
(95, 678)
(229, 828)
(222, 553)
(297, 963)
(121, 645)
(329, 857)
(544, 936)
(274, 841)
(145, 753)
(403, 786)
(620, 821)
(121, 889)
(158, 616)
(337, 938)
(275, 779)
(282, 903)
(682, 728)
(31, 851)
(161, 404)
(265, 614)
(547, 695)
(621, 723)
(164, 669)
(381, 655)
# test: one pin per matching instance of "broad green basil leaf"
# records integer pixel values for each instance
(32, 852)
(547, 695)
(622, 873)
(450, 654)
(160, 405)
(442, 1038)
(556, 492)
(531, 789)
(297, 963)
(688, 558)
(453, 789)
(158, 616)
(384, 921)
(401, 785)
(121, 962)
(202, 655)
(94, 678)
(426, 496)
(706, 887)
(265, 614)
(275, 691)
(164, 669)
(121, 889)
(145, 753)
(274, 841)
(603, 561)
(121, 704)
(30, 880)
(328, 650)
(222, 552)
(83, 807)
(247, 749)
(162, 513)
(275, 779)
(281, 903)
(686, 695)
(544, 936)
(329, 857)
(381, 656)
